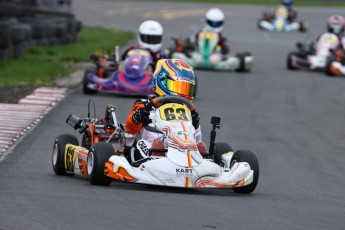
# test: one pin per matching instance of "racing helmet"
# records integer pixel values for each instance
(150, 34)
(215, 19)
(336, 24)
(174, 77)
(287, 3)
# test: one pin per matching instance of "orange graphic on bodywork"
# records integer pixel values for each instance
(119, 174)
(209, 182)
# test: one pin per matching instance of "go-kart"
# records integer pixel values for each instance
(278, 22)
(335, 63)
(207, 54)
(172, 160)
(67, 159)
(310, 56)
(133, 76)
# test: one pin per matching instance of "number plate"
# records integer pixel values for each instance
(174, 112)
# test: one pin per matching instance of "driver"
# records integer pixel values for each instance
(336, 25)
(292, 13)
(215, 20)
(150, 35)
(164, 83)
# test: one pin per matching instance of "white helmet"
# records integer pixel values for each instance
(150, 35)
(215, 19)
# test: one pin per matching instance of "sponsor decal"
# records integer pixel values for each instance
(143, 147)
(184, 172)
(70, 158)
(182, 133)
(186, 79)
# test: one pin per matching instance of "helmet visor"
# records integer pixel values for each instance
(151, 39)
(182, 88)
(336, 28)
(215, 24)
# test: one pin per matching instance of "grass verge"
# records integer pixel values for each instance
(269, 2)
(43, 65)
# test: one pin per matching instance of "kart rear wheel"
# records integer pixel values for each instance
(220, 149)
(259, 24)
(329, 62)
(99, 154)
(86, 90)
(250, 158)
(242, 66)
(303, 26)
(58, 157)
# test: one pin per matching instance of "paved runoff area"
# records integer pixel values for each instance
(17, 119)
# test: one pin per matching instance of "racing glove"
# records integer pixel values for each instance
(141, 115)
(195, 119)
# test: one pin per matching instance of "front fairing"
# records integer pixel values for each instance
(279, 24)
(207, 46)
(175, 121)
(118, 82)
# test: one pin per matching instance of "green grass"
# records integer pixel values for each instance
(268, 2)
(43, 65)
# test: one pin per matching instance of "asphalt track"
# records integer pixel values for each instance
(294, 121)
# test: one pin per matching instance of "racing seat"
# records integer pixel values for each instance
(158, 145)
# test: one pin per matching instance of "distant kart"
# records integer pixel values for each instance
(310, 56)
(132, 77)
(278, 22)
(207, 54)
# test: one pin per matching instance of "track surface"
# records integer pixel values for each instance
(294, 121)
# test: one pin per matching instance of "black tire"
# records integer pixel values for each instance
(5, 39)
(329, 62)
(258, 24)
(250, 158)
(99, 154)
(18, 49)
(303, 26)
(241, 57)
(2, 54)
(221, 148)
(20, 32)
(58, 155)
(86, 90)
(289, 61)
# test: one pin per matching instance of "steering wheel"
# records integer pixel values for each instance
(159, 101)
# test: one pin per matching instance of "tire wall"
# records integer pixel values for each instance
(35, 22)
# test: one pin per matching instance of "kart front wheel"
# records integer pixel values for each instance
(58, 157)
(303, 26)
(98, 155)
(250, 158)
(220, 149)
(289, 62)
(89, 70)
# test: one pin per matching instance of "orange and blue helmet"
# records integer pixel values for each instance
(174, 77)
